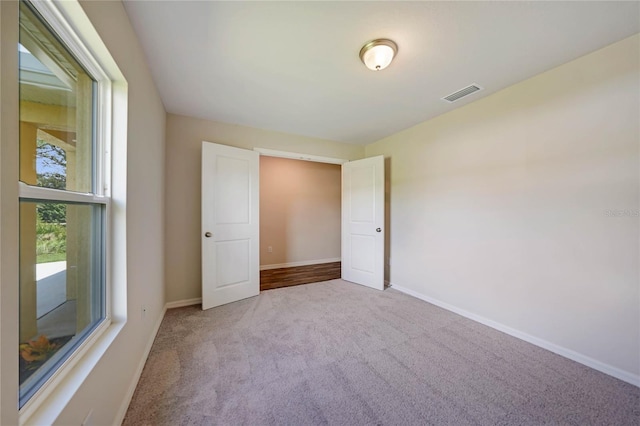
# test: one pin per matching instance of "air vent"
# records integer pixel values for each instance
(462, 93)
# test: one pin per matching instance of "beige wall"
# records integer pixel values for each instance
(107, 385)
(182, 208)
(299, 211)
(500, 208)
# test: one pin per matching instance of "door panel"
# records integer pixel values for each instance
(363, 222)
(363, 253)
(230, 224)
(362, 187)
(233, 262)
(233, 204)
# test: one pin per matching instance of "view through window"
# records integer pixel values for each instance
(62, 207)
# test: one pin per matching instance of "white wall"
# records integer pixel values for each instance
(182, 208)
(107, 385)
(500, 208)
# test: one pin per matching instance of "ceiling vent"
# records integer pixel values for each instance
(462, 93)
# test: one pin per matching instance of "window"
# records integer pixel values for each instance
(64, 200)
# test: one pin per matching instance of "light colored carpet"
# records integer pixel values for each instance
(341, 354)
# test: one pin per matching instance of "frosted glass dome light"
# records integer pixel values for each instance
(378, 54)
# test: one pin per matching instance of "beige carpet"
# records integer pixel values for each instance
(341, 354)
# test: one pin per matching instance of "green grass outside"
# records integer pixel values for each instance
(51, 242)
(51, 257)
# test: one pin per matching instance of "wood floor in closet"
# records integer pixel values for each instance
(287, 277)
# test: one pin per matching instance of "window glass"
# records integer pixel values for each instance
(62, 220)
(61, 283)
(56, 111)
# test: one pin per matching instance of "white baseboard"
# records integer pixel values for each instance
(183, 303)
(625, 376)
(303, 263)
(136, 375)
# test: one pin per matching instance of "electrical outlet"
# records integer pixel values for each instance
(270, 249)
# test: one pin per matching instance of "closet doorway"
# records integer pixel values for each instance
(231, 223)
(300, 222)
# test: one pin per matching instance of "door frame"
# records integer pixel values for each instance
(340, 161)
(298, 156)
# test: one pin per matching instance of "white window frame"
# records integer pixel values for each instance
(81, 39)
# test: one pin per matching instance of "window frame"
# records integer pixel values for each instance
(101, 195)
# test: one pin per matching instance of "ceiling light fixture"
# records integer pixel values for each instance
(378, 54)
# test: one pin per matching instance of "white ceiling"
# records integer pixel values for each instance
(294, 66)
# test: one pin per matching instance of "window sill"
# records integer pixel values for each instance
(46, 407)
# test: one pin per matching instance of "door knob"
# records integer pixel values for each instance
(378, 230)
(207, 234)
